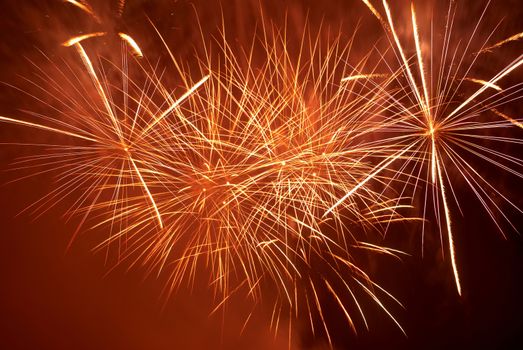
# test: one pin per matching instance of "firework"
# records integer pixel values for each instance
(445, 127)
(268, 165)
(251, 164)
(234, 172)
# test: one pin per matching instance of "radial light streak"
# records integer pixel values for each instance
(175, 105)
(97, 83)
(449, 228)
(415, 30)
(146, 188)
(47, 128)
(506, 71)
(386, 163)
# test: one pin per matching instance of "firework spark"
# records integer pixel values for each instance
(84, 7)
(491, 48)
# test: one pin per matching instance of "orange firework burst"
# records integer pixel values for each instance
(445, 128)
(272, 164)
(235, 171)
(253, 161)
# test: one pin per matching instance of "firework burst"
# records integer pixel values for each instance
(448, 125)
(271, 164)
(252, 163)
(234, 172)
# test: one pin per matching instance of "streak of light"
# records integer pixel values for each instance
(132, 43)
(47, 128)
(77, 39)
(514, 37)
(485, 83)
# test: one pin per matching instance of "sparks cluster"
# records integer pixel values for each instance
(266, 165)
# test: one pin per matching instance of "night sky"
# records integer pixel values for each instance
(55, 297)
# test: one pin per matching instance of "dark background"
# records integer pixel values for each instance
(54, 298)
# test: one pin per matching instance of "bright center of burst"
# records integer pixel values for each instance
(431, 131)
